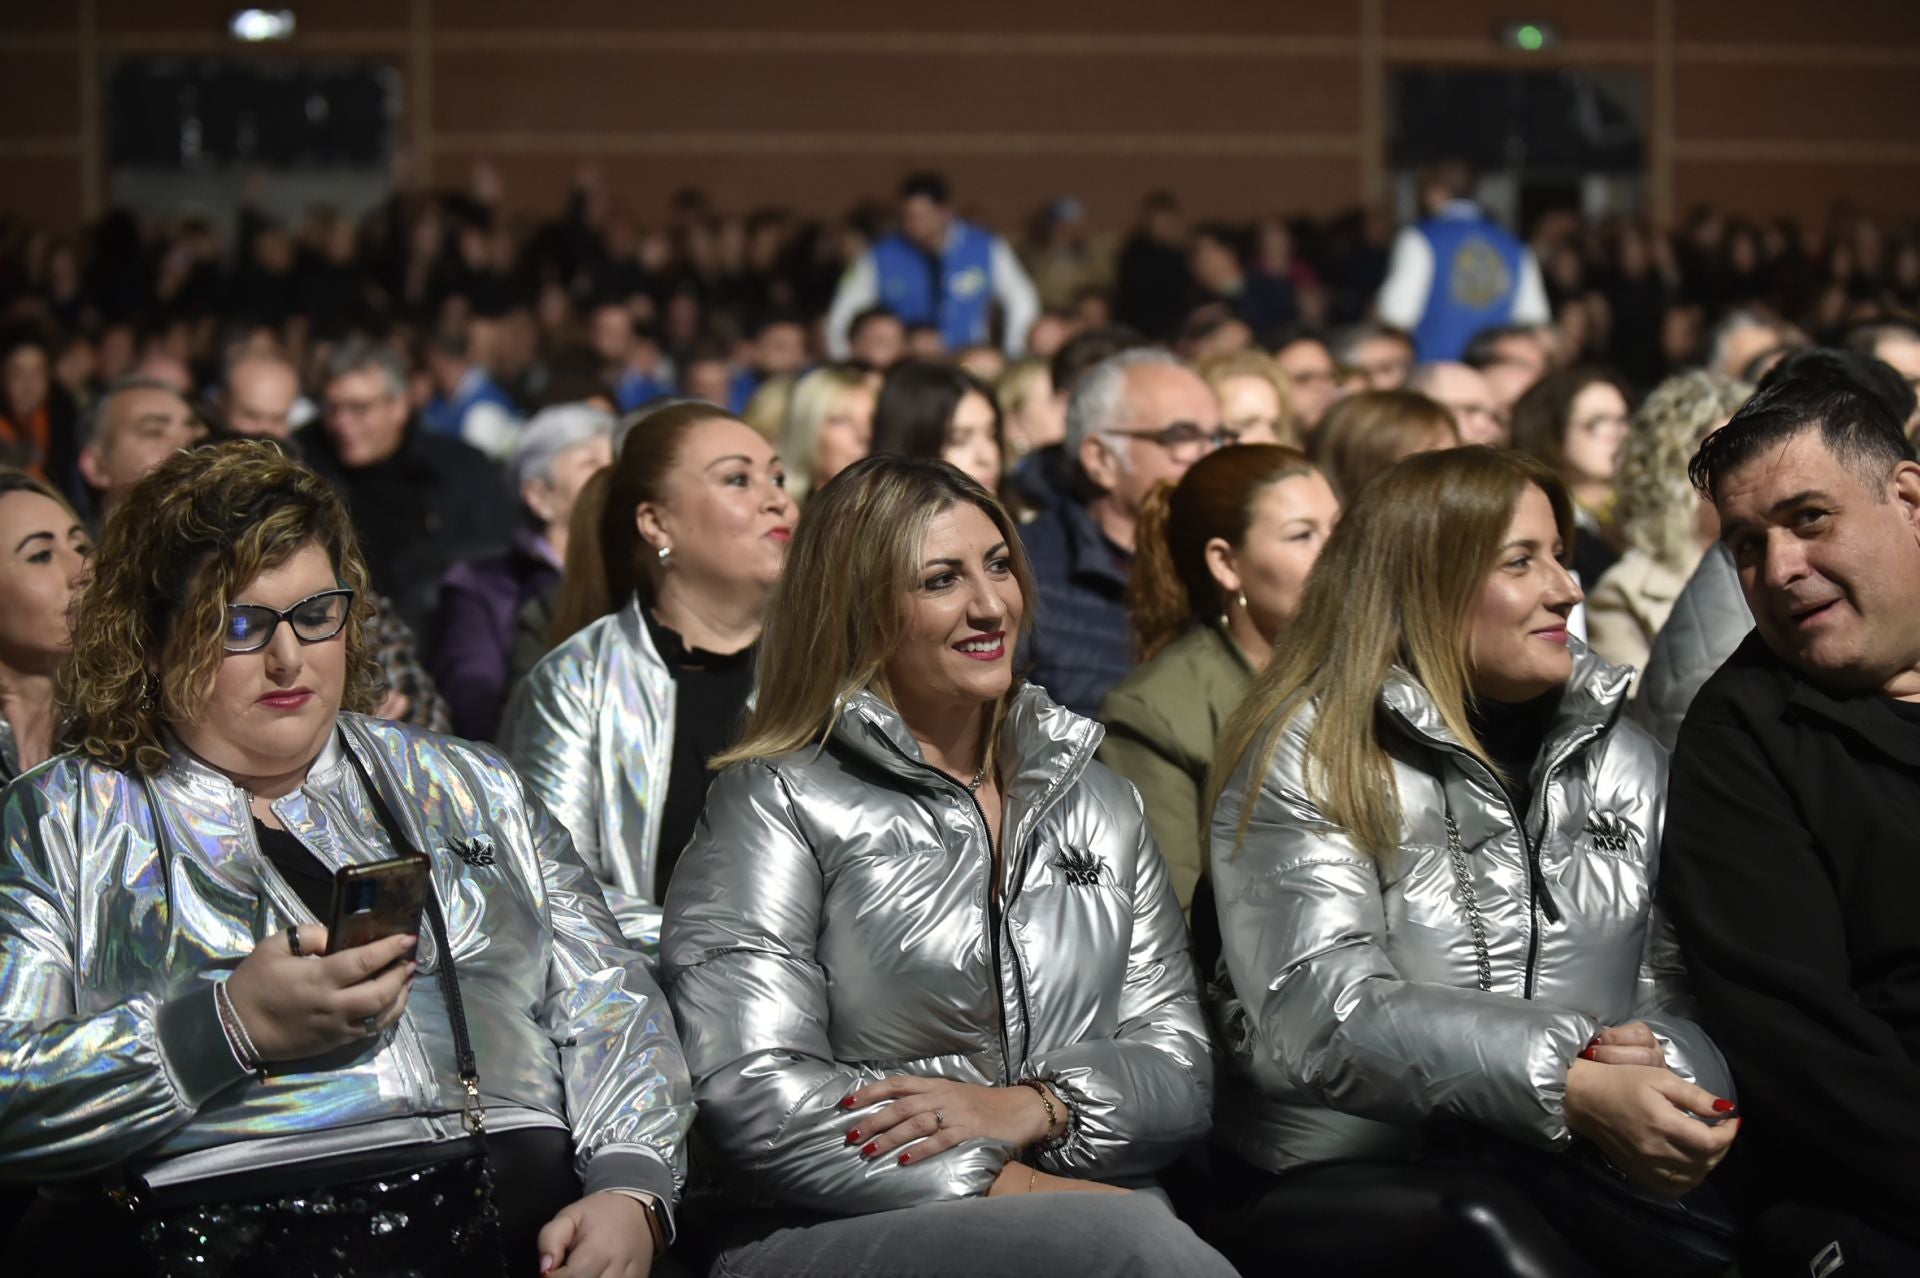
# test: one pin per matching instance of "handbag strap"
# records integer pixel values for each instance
(472, 1112)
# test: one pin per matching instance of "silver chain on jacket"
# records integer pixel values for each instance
(1470, 898)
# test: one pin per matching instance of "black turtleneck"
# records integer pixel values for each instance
(1512, 733)
(709, 709)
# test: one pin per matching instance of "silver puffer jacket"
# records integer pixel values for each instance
(833, 922)
(591, 729)
(1359, 1012)
(124, 900)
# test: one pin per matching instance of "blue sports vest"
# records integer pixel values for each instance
(958, 302)
(444, 415)
(1476, 272)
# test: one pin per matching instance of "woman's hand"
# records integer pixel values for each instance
(1643, 1119)
(1018, 1178)
(602, 1236)
(298, 1005)
(1629, 1044)
(941, 1113)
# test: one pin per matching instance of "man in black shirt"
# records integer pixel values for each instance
(1793, 830)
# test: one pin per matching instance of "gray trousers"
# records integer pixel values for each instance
(1025, 1235)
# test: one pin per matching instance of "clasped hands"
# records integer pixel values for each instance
(1645, 1118)
(936, 1114)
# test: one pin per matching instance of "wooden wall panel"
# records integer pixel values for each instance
(44, 189)
(1009, 18)
(210, 17)
(1797, 103)
(1806, 190)
(1482, 19)
(861, 93)
(1878, 23)
(39, 94)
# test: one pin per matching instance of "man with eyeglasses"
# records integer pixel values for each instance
(1134, 420)
(1466, 394)
(1303, 356)
(420, 502)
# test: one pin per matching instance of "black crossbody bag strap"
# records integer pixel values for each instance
(471, 1111)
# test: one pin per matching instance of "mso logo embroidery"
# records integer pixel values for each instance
(1080, 869)
(475, 852)
(1611, 833)
(1479, 277)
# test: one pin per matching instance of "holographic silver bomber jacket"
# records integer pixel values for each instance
(834, 921)
(591, 729)
(1359, 1013)
(124, 900)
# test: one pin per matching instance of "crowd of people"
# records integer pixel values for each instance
(1270, 749)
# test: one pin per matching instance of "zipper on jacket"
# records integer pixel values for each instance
(993, 944)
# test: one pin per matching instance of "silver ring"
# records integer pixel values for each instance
(939, 1121)
(371, 1025)
(293, 941)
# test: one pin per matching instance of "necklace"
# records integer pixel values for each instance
(973, 786)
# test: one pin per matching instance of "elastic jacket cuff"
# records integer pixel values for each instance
(631, 1169)
(194, 1047)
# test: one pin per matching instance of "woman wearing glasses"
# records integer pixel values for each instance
(174, 1025)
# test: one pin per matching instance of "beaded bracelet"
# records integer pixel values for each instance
(1048, 1141)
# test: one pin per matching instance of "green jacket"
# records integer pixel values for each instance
(1162, 721)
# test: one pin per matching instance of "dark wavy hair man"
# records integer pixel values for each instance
(1791, 868)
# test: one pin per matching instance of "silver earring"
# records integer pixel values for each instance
(666, 554)
(149, 694)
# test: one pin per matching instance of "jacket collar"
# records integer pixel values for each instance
(1093, 555)
(1863, 714)
(631, 623)
(199, 778)
(1594, 696)
(1043, 747)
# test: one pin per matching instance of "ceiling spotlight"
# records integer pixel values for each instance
(257, 25)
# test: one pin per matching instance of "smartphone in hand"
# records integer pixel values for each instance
(380, 899)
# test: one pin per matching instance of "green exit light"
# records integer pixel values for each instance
(1529, 37)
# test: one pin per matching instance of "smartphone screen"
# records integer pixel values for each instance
(372, 902)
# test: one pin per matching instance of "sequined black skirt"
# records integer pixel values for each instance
(475, 1215)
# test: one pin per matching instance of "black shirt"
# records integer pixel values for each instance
(1512, 733)
(710, 703)
(310, 880)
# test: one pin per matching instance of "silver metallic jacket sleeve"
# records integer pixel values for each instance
(81, 1093)
(738, 959)
(1140, 1097)
(548, 733)
(629, 1097)
(1303, 930)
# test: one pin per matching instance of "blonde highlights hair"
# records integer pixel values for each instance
(1396, 586)
(839, 612)
(1217, 370)
(816, 397)
(1365, 433)
(179, 547)
(1658, 507)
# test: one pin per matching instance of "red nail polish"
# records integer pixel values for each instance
(847, 1103)
(1723, 1106)
(871, 1149)
(1588, 1055)
(905, 1159)
(853, 1137)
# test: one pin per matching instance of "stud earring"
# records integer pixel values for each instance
(666, 555)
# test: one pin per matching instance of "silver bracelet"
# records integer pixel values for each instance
(238, 1039)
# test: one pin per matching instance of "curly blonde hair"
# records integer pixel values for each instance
(185, 539)
(1657, 503)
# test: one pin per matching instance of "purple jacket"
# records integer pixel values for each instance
(473, 629)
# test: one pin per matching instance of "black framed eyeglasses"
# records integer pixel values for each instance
(1187, 438)
(315, 619)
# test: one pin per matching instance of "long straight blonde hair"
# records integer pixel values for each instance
(839, 611)
(1396, 586)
